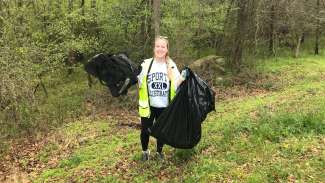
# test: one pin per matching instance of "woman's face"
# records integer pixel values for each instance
(160, 49)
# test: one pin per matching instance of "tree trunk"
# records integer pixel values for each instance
(82, 4)
(82, 7)
(317, 41)
(49, 5)
(6, 7)
(238, 46)
(93, 4)
(317, 34)
(156, 16)
(70, 10)
(1, 22)
(70, 6)
(145, 28)
(95, 15)
(271, 33)
(41, 84)
(20, 18)
(58, 7)
(199, 30)
(225, 36)
(298, 45)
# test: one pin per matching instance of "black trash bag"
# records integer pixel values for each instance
(179, 125)
(117, 72)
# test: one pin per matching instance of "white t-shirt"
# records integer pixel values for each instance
(158, 84)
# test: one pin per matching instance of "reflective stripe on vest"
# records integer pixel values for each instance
(144, 106)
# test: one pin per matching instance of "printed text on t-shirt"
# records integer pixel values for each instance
(157, 83)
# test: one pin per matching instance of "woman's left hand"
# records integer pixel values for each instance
(170, 72)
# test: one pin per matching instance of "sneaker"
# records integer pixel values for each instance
(145, 155)
(160, 156)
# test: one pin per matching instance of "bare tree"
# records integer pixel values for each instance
(146, 26)
(82, 7)
(239, 37)
(272, 28)
(317, 34)
(156, 16)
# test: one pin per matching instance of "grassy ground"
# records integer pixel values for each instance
(274, 136)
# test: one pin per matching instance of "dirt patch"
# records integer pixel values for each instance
(15, 175)
(22, 164)
(13, 169)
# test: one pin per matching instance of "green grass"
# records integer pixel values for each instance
(278, 136)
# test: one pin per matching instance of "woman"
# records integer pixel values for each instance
(158, 82)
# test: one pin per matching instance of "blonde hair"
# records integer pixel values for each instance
(167, 43)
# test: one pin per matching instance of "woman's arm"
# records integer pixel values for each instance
(173, 72)
(180, 80)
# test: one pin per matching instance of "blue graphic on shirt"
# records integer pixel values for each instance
(158, 84)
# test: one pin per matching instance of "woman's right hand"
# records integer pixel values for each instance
(184, 74)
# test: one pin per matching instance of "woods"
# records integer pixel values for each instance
(40, 37)
(45, 43)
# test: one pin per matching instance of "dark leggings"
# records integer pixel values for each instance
(147, 123)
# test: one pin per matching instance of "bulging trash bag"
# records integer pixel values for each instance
(117, 72)
(180, 123)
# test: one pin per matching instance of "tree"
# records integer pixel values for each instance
(317, 33)
(145, 27)
(272, 28)
(236, 56)
(156, 16)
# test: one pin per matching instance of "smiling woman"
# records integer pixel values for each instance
(161, 48)
(158, 82)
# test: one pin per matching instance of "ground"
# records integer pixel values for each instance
(271, 129)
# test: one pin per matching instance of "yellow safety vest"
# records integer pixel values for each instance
(144, 106)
